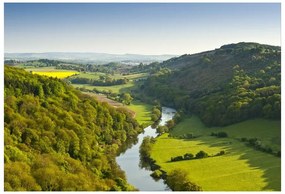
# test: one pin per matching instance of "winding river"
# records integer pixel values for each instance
(129, 161)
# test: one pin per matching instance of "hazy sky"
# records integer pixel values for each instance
(145, 28)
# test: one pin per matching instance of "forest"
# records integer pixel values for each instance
(224, 86)
(51, 129)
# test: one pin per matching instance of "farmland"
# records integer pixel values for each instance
(142, 110)
(114, 88)
(242, 168)
(60, 74)
(51, 72)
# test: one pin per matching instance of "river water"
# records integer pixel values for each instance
(129, 160)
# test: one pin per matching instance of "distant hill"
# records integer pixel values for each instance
(222, 85)
(82, 57)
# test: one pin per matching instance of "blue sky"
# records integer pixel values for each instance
(142, 28)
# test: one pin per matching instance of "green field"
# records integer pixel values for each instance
(96, 75)
(46, 69)
(142, 110)
(114, 89)
(241, 169)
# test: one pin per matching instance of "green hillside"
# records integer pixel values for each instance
(227, 85)
(58, 139)
(241, 168)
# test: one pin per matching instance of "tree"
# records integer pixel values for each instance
(201, 154)
(162, 129)
(177, 181)
(126, 98)
(170, 124)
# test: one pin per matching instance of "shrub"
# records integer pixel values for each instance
(188, 156)
(243, 139)
(177, 158)
(177, 181)
(222, 134)
(156, 174)
(201, 154)
(221, 153)
(219, 134)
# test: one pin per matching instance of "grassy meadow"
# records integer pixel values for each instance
(114, 89)
(142, 110)
(241, 169)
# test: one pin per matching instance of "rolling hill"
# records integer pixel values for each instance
(222, 86)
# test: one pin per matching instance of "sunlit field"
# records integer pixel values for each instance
(242, 168)
(59, 74)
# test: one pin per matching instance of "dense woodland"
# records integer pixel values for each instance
(224, 86)
(58, 139)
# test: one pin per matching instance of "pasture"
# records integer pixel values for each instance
(142, 110)
(242, 168)
(115, 88)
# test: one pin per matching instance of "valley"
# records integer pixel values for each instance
(228, 104)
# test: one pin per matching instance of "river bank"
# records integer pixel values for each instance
(129, 161)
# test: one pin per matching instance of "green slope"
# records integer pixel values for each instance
(242, 168)
(227, 85)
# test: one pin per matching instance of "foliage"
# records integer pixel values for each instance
(53, 130)
(102, 81)
(259, 170)
(156, 113)
(126, 98)
(224, 86)
(177, 181)
(145, 148)
(220, 134)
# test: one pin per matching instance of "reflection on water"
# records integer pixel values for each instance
(129, 161)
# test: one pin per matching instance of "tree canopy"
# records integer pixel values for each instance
(51, 129)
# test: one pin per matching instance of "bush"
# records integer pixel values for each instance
(177, 158)
(222, 134)
(243, 139)
(219, 134)
(201, 154)
(156, 174)
(221, 153)
(177, 181)
(188, 156)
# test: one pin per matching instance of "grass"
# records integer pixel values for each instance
(96, 75)
(114, 89)
(45, 69)
(142, 110)
(240, 169)
(90, 75)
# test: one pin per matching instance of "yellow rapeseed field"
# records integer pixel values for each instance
(58, 74)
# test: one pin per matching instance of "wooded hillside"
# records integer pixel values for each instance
(57, 139)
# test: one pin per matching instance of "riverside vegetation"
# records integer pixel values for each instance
(236, 92)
